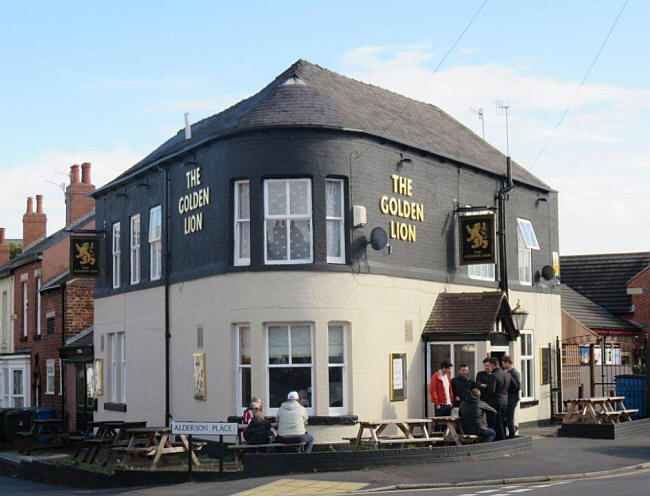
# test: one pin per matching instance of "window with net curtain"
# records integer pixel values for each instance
(287, 221)
(242, 223)
(527, 365)
(155, 243)
(335, 221)
(289, 363)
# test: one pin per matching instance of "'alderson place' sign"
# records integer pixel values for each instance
(204, 428)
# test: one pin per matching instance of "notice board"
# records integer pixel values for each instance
(397, 376)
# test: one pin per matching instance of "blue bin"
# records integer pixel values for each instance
(43, 413)
(634, 389)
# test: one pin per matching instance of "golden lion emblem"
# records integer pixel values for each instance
(85, 253)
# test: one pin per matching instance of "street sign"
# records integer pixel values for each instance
(205, 428)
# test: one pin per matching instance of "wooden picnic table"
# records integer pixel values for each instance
(597, 410)
(48, 429)
(109, 434)
(407, 427)
(155, 442)
(453, 431)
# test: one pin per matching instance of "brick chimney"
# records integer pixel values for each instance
(77, 201)
(4, 248)
(34, 223)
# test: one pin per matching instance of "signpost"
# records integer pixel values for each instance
(204, 429)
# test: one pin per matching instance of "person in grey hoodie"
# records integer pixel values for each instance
(292, 419)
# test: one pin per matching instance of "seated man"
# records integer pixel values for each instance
(471, 413)
(292, 419)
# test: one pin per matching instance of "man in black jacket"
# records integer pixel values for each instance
(513, 395)
(461, 385)
(471, 412)
(485, 384)
(500, 399)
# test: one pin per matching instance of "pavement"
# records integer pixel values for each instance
(550, 456)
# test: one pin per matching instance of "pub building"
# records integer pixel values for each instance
(307, 238)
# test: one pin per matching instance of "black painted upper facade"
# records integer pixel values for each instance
(305, 129)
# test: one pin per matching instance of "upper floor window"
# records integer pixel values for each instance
(25, 307)
(155, 243)
(287, 221)
(5, 317)
(135, 249)
(116, 255)
(38, 305)
(527, 365)
(242, 223)
(526, 241)
(335, 220)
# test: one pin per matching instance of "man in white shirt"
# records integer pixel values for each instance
(440, 390)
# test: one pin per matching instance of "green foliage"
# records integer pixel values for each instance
(75, 462)
(330, 448)
(15, 249)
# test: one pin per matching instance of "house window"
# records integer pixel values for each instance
(5, 318)
(289, 363)
(38, 305)
(25, 307)
(17, 388)
(243, 366)
(121, 339)
(135, 249)
(335, 220)
(116, 256)
(242, 223)
(287, 221)
(336, 368)
(117, 367)
(4, 387)
(483, 272)
(155, 243)
(526, 241)
(50, 376)
(527, 366)
(50, 323)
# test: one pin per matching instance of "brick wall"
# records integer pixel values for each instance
(79, 306)
(641, 302)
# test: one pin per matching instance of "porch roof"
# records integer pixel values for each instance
(469, 316)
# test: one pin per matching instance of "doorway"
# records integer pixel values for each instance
(499, 352)
(84, 396)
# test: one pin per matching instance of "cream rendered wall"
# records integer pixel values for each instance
(7, 284)
(140, 314)
(374, 308)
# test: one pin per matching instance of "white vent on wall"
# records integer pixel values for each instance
(359, 218)
(408, 331)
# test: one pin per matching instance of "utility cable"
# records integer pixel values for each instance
(584, 79)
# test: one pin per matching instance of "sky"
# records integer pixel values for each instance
(107, 83)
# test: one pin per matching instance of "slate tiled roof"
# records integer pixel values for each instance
(467, 314)
(82, 339)
(321, 98)
(590, 313)
(603, 278)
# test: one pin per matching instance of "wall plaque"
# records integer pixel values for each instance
(84, 256)
(397, 376)
(198, 379)
(476, 239)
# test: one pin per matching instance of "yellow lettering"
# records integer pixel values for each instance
(395, 179)
(409, 190)
(420, 212)
(392, 206)
(411, 235)
(407, 209)
(383, 204)
(393, 230)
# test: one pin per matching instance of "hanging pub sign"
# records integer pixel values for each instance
(477, 239)
(84, 256)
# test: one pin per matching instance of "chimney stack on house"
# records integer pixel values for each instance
(34, 223)
(4, 248)
(77, 201)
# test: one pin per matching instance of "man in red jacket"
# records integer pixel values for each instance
(442, 395)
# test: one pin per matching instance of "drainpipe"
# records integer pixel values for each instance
(166, 281)
(501, 207)
(63, 285)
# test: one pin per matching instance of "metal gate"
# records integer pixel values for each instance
(552, 365)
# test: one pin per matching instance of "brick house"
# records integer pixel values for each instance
(639, 290)
(52, 308)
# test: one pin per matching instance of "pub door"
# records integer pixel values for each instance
(84, 405)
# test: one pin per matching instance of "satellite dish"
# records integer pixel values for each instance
(548, 273)
(378, 238)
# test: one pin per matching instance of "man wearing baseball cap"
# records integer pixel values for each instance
(292, 419)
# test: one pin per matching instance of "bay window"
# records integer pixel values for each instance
(289, 363)
(242, 223)
(287, 221)
(335, 220)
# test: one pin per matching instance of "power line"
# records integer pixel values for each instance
(437, 68)
(591, 66)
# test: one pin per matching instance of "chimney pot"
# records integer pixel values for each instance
(85, 173)
(74, 174)
(30, 205)
(39, 204)
(2, 235)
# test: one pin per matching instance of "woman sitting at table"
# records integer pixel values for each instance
(259, 430)
(249, 413)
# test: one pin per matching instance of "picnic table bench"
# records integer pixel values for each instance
(110, 434)
(51, 430)
(597, 410)
(414, 431)
(154, 442)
